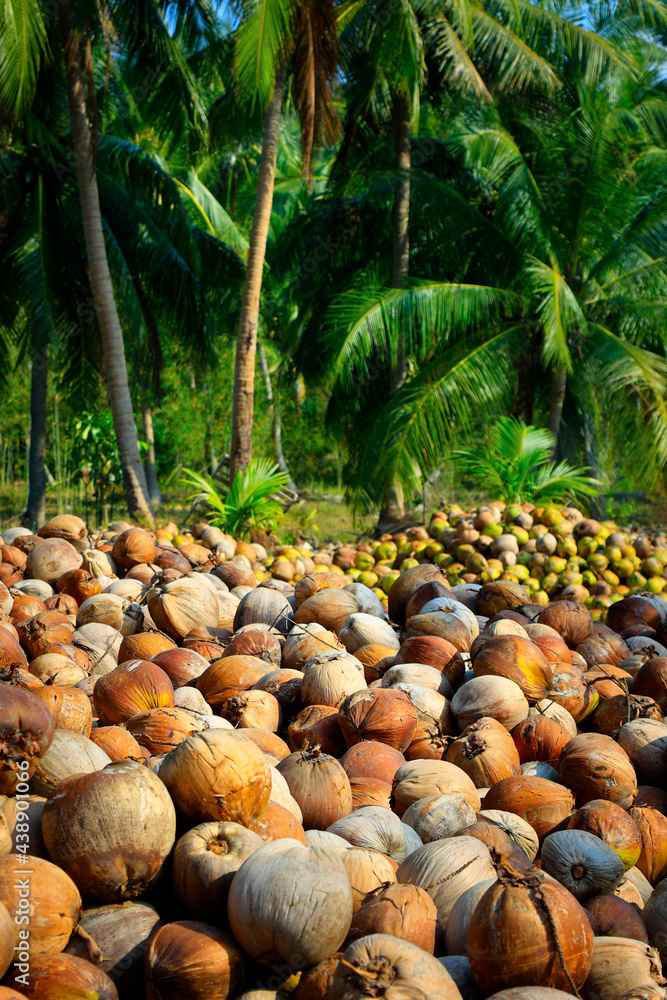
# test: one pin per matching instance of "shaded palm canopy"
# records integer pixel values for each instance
(484, 181)
(537, 234)
(131, 221)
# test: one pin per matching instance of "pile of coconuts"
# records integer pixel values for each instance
(555, 553)
(219, 783)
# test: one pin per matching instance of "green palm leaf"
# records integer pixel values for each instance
(514, 62)
(361, 322)
(517, 468)
(559, 311)
(263, 40)
(541, 28)
(204, 488)
(455, 60)
(418, 425)
(479, 139)
(250, 499)
(559, 483)
(23, 44)
(154, 52)
(213, 215)
(624, 365)
(513, 439)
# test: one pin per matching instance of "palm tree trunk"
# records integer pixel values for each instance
(309, 101)
(151, 472)
(276, 422)
(392, 508)
(524, 408)
(401, 220)
(35, 514)
(113, 349)
(246, 343)
(266, 374)
(278, 445)
(558, 384)
(597, 505)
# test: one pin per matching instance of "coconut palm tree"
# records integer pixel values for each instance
(273, 36)
(74, 47)
(28, 37)
(517, 467)
(475, 47)
(174, 281)
(560, 215)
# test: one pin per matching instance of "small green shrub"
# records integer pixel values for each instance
(249, 502)
(518, 468)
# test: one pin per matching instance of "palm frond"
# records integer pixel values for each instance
(144, 177)
(363, 322)
(638, 16)
(514, 63)
(157, 58)
(459, 14)
(205, 488)
(23, 45)
(477, 467)
(417, 426)
(348, 10)
(260, 480)
(558, 483)
(623, 365)
(263, 40)
(512, 439)
(36, 264)
(456, 63)
(559, 311)
(481, 142)
(544, 29)
(195, 21)
(250, 498)
(214, 217)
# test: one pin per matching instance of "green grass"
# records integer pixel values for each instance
(334, 520)
(12, 504)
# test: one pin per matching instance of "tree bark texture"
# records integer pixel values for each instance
(558, 384)
(401, 220)
(246, 342)
(276, 420)
(113, 349)
(151, 471)
(35, 514)
(392, 508)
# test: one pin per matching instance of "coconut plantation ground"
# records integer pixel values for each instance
(333, 510)
(448, 741)
(327, 512)
(440, 226)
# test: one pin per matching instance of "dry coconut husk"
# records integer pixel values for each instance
(382, 965)
(619, 965)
